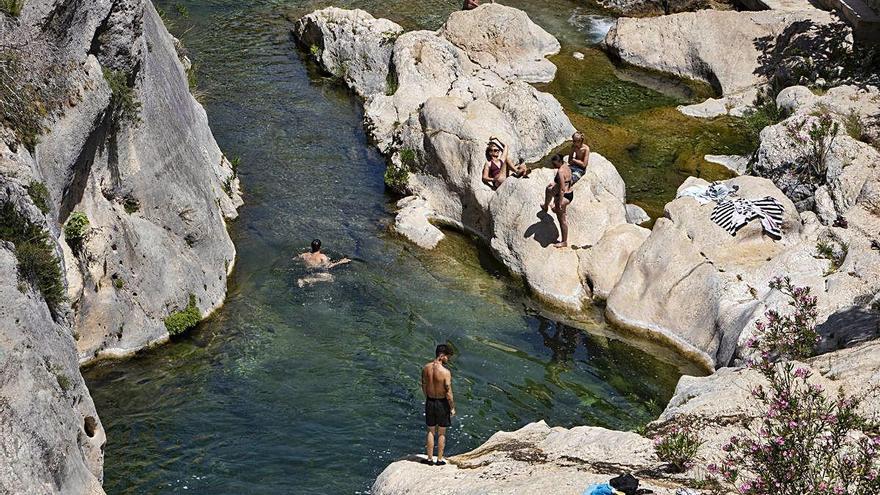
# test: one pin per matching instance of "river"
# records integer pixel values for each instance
(315, 390)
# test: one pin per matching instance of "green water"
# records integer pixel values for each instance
(314, 390)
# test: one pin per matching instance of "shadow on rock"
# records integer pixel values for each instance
(847, 328)
(544, 230)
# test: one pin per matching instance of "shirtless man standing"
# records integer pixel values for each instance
(439, 404)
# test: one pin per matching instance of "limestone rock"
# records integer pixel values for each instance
(352, 45)
(735, 163)
(720, 48)
(604, 263)
(786, 152)
(636, 215)
(413, 222)
(535, 459)
(503, 40)
(51, 440)
(678, 286)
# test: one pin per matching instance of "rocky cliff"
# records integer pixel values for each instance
(108, 164)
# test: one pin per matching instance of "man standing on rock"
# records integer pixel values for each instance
(439, 404)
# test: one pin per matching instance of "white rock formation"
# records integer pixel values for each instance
(120, 139)
(457, 87)
(721, 48)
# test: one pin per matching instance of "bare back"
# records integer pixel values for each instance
(315, 260)
(436, 380)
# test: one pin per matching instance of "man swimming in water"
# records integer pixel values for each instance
(320, 263)
(439, 403)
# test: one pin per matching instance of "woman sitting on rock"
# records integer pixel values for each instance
(561, 194)
(499, 166)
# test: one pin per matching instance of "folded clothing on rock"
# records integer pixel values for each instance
(716, 191)
(733, 215)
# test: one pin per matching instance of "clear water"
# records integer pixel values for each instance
(315, 390)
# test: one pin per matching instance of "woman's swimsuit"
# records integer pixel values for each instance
(570, 194)
(494, 170)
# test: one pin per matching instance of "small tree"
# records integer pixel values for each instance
(75, 230)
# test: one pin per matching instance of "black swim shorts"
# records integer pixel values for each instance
(437, 412)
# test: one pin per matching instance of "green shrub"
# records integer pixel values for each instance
(75, 230)
(39, 195)
(396, 178)
(192, 77)
(678, 448)
(315, 51)
(854, 126)
(63, 381)
(765, 114)
(130, 204)
(22, 105)
(181, 10)
(37, 264)
(181, 321)
(11, 7)
(123, 101)
(118, 282)
(836, 256)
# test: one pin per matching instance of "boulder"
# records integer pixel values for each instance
(646, 8)
(728, 50)
(786, 153)
(636, 215)
(503, 40)
(535, 459)
(685, 284)
(735, 163)
(603, 264)
(351, 45)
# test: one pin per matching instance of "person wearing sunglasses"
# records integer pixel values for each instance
(499, 166)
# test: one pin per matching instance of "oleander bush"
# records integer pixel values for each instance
(789, 336)
(804, 442)
(678, 448)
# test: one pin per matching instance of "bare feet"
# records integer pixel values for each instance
(560, 245)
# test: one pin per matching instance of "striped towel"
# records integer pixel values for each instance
(733, 215)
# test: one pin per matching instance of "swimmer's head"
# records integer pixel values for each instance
(443, 352)
(556, 160)
(316, 245)
(577, 137)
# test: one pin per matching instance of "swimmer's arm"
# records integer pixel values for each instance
(447, 384)
(337, 263)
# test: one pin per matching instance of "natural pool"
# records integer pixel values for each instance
(315, 390)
